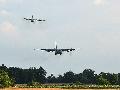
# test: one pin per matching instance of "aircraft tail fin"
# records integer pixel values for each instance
(55, 45)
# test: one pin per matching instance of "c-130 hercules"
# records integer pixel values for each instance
(56, 50)
(33, 19)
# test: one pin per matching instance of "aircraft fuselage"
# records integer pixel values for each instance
(32, 20)
(58, 51)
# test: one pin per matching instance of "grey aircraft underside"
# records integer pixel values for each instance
(56, 50)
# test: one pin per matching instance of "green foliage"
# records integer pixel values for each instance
(69, 77)
(118, 79)
(89, 76)
(37, 76)
(103, 81)
(5, 81)
(22, 76)
(111, 78)
(51, 79)
(78, 83)
(33, 83)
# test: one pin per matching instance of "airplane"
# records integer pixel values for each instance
(56, 50)
(33, 20)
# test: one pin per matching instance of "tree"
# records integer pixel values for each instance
(16, 74)
(40, 75)
(112, 78)
(88, 76)
(4, 68)
(51, 79)
(60, 79)
(5, 81)
(69, 77)
(78, 78)
(118, 81)
(103, 81)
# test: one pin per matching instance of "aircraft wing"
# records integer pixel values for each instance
(48, 50)
(27, 19)
(40, 20)
(34, 19)
(68, 49)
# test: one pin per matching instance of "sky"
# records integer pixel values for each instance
(91, 25)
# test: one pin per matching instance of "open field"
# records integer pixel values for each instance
(31, 89)
(63, 87)
(51, 89)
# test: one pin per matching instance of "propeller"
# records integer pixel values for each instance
(71, 52)
(36, 49)
(43, 20)
(78, 49)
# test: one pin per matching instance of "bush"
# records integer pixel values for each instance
(5, 80)
(103, 81)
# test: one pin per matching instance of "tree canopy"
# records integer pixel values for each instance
(5, 80)
(14, 75)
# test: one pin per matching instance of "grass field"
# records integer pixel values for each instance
(51, 89)
(63, 87)
(31, 89)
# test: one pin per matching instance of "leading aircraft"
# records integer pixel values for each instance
(56, 50)
(33, 19)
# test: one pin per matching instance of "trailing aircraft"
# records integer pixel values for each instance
(33, 19)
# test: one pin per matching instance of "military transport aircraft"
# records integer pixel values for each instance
(56, 50)
(33, 20)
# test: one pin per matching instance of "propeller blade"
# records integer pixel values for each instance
(70, 53)
(78, 49)
(37, 49)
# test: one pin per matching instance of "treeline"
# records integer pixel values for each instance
(17, 75)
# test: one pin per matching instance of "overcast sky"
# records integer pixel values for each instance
(92, 25)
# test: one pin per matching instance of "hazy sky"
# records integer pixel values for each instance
(92, 25)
